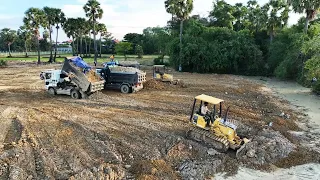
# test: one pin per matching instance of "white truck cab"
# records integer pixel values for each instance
(51, 78)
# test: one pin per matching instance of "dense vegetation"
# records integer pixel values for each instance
(248, 39)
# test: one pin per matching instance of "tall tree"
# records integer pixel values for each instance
(309, 7)
(181, 9)
(26, 35)
(50, 18)
(59, 21)
(257, 16)
(69, 29)
(278, 16)
(93, 12)
(240, 13)
(8, 36)
(33, 20)
(222, 14)
(102, 29)
(81, 30)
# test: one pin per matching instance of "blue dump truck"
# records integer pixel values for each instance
(125, 79)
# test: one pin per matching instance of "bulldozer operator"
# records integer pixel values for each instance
(206, 113)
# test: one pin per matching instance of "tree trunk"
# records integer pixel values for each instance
(38, 46)
(306, 25)
(73, 47)
(78, 46)
(26, 48)
(271, 35)
(89, 45)
(100, 47)
(81, 50)
(85, 42)
(9, 49)
(180, 53)
(50, 35)
(56, 46)
(95, 43)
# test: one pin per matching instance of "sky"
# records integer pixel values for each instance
(120, 16)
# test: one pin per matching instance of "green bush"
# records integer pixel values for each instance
(3, 63)
(139, 51)
(218, 50)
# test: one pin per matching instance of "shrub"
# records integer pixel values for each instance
(3, 63)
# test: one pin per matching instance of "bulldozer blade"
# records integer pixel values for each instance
(239, 150)
(242, 147)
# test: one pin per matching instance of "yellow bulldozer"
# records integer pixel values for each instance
(211, 128)
(160, 73)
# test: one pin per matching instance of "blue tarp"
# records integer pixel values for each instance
(78, 61)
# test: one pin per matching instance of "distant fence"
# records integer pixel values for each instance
(5, 54)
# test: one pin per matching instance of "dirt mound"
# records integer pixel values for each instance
(267, 147)
(194, 169)
(93, 76)
(154, 84)
(153, 170)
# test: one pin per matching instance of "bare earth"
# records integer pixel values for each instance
(141, 135)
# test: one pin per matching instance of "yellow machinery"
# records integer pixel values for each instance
(211, 128)
(159, 73)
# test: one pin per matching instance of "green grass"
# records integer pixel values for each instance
(146, 60)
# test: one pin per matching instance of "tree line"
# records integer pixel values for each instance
(80, 30)
(248, 39)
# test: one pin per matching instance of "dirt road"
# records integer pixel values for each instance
(140, 135)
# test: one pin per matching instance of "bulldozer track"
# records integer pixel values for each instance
(206, 137)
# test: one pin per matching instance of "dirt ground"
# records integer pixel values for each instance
(134, 136)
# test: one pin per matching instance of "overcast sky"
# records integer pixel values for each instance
(120, 16)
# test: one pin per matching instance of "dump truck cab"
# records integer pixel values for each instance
(160, 73)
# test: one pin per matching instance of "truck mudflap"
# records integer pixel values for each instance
(76, 76)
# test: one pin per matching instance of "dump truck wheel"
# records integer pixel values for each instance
(125, 89)
(75, 94)
(52, 91)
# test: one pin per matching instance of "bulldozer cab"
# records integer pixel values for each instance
(160, 73)
(215, 110)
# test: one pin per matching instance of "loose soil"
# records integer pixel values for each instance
(127, 136)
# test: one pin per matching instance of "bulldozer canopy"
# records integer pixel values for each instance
(209, 99)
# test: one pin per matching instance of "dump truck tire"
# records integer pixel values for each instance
(75, 94)
(52, 91)
(125, 89)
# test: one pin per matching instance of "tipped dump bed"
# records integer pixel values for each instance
(78, 77)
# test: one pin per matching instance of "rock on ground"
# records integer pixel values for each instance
(195, 169)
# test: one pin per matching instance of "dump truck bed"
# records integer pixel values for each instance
(80, 79)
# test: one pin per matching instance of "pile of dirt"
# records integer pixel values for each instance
(104, 171)
(125, 69)
(153, 169)
(199, 169)
(93, 76)
(268, 146)
(154, 84)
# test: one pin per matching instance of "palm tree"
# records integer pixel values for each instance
(93, 12)
(33, 20)
(102, 29)
(86, 32)
(50, 19)
(181, 9)
(279, 15)
(69, 29)
(59, 20)
(26, 36)
(309, 7)
(81, 30)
